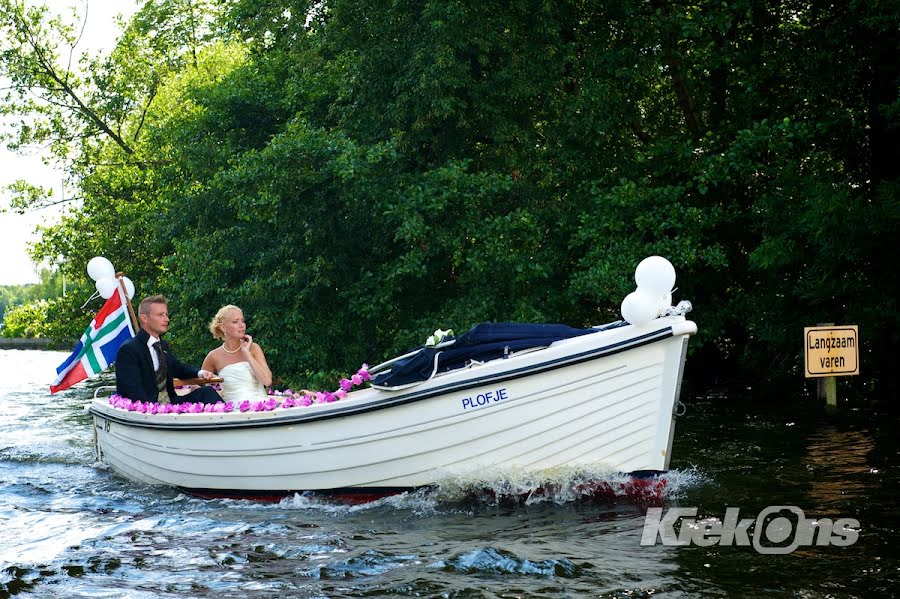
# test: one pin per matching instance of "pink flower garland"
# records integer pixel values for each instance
(277, 399)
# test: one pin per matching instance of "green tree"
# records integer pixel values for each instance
(356, 174)
(25, 321)
(91, 111)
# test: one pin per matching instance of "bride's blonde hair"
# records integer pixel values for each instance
(215, 326)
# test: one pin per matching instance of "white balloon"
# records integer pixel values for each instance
(99, 267)
(639, 307)
(106, 287)
(655, 274)
(129, 287)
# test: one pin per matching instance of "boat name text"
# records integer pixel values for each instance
(483, 399)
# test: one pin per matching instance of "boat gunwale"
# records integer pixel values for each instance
(287, 418)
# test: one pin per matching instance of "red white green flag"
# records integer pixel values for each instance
(97, 348)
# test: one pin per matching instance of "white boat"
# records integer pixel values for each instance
(608, 397)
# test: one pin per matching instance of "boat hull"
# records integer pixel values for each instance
(607, 398)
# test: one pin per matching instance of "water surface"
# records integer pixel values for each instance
(71, 529)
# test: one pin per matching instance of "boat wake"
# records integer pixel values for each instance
(509, 488)
(565, 485)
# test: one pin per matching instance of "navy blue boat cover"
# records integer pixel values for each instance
(482, 342)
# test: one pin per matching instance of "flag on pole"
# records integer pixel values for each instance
(97, 348)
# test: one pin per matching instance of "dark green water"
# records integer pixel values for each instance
(69, 529)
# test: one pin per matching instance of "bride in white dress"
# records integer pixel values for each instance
(239, 361)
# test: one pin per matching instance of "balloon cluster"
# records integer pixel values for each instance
(655, 278)
(101, 270)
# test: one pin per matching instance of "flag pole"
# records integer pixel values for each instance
(134, 320)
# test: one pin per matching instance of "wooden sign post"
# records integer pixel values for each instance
(830, 351)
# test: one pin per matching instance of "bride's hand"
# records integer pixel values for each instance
(246, 343)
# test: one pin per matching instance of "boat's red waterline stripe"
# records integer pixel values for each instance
(641, 490)
(349, 495)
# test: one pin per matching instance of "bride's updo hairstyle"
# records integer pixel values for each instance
(215, 326)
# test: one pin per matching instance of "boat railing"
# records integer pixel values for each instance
(414, 383)
(98, 393)
(434, 372)
(385, 365)
(107, 389)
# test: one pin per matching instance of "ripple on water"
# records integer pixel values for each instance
(38, 537)
(491, 560)
(367, 564)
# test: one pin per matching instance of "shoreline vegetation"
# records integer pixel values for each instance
(355, 175)
(32, 343)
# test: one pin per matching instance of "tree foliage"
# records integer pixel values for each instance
(49, 287)
(356, 174)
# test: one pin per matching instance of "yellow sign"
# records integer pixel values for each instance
(831, 351)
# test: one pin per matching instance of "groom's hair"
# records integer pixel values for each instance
(144, 308)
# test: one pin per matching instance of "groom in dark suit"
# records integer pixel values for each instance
(145, 367)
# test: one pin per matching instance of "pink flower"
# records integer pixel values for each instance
(287, 398)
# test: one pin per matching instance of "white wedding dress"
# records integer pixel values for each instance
(239, 383)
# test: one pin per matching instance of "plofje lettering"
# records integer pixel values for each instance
(484, 398)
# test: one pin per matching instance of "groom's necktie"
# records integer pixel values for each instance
(161, 375)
